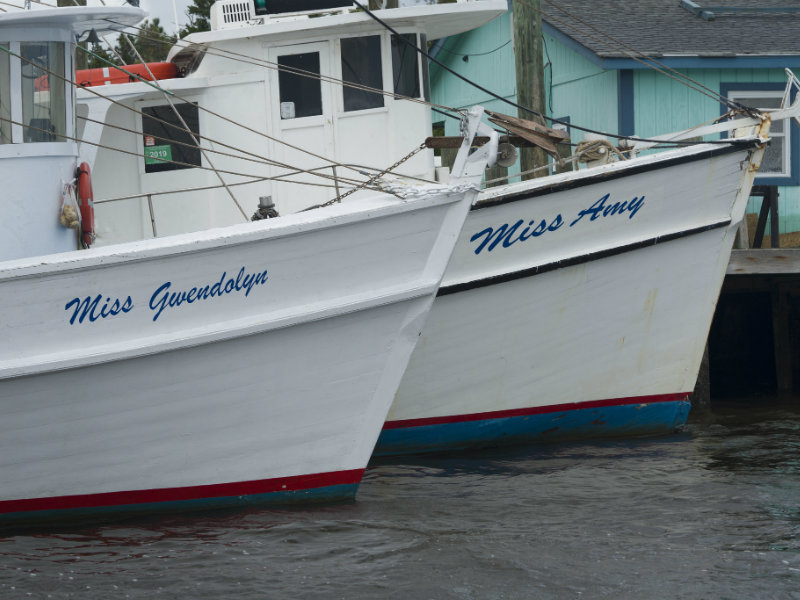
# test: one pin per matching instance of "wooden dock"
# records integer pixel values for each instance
(755, 338)
(765, 261)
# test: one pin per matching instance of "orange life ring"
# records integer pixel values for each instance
(86, 203)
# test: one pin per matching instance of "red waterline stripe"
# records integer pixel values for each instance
(181, 494)
(537, 410)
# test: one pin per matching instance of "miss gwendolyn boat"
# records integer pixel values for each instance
(575, 305)
(249, 363)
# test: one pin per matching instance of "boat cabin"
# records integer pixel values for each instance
(38, 144)
(321, 97)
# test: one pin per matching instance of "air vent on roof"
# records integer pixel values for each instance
(231, 13)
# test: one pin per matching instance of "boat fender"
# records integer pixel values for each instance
(86, 204)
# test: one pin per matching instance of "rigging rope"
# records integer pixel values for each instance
(377, 176)
(646, 62)
(438, 107)
(206, 110)
(247, 59)
(250, 156)
(510, 102)
(300, 72)
(186, 126)
(90, 90)
(303, 73)
(174, 162)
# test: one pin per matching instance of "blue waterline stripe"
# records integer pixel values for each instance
(630, 420)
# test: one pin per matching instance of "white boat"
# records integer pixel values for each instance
(575, 306)
(249, 363)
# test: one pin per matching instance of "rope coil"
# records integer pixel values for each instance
(592, 150)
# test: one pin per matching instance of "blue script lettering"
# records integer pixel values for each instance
(94, 308)
(507, 234)
(163, 297)
(600, 208)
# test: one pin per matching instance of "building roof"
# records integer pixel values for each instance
(669, 28)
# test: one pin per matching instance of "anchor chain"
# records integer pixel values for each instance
(374, 178)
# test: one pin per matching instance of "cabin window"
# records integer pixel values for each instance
(299, 84)
(361, 65)
(5, 96)
(779, 165)
(44, 101)
(167, 144)
(405, 64)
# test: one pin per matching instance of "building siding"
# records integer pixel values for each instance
(578, 87)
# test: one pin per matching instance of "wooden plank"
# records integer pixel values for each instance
(743, 236)
(761, 226)
(527, 125)
(767, 261)
(774, 227)
(782, 341)
(454, 141)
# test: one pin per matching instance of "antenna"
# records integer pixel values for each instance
(175, 16)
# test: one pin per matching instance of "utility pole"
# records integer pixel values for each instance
(527, 32)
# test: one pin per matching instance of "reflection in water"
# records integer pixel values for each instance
(711, 513)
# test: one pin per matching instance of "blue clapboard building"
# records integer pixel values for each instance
(597, 76)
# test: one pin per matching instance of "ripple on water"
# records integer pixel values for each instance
(710, 513)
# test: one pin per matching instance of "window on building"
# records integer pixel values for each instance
(299, 84)
(405, 65)
(778, 167)
(164, 135)
(361, 65)
(44, 101)
(5, 96)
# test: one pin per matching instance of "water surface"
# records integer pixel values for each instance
(713, 512)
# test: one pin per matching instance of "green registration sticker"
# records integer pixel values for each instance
(154, 155)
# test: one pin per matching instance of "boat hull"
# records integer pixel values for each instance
(248, 364)
(585, 320)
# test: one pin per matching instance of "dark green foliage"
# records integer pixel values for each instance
(151, 41)
(199, 17)
(98, 61)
